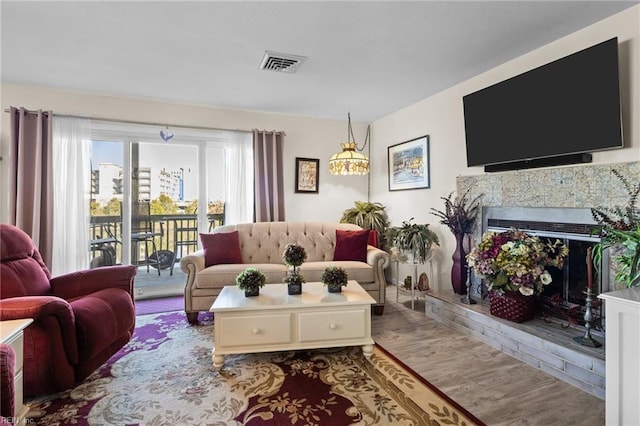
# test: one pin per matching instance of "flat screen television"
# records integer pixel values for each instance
(568, 106)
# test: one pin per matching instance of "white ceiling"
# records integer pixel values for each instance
(370, 58)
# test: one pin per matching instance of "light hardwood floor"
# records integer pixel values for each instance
(495, 387)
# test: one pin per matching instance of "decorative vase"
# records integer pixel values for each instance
(512, 306)
(294, 288)
(251, 291)
(334, 288)
(459, 268)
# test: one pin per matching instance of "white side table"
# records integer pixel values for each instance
(622, 353)
(11, 332)
(415, 293)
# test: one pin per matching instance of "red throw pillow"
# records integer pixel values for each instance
(351, 245)
(221, 247)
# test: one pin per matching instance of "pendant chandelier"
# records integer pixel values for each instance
(351, 161)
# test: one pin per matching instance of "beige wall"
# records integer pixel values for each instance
(441, 117)
(305, 137)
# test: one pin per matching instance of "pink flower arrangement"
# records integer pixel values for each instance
(516, 261)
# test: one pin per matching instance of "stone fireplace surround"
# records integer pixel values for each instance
(547, 347)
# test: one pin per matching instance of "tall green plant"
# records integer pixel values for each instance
(368, 215)
(620, 227)
(413, 238)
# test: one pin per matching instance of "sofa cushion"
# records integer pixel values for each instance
(351, 245)
(218, 276)
(221, 248)
(359, 271)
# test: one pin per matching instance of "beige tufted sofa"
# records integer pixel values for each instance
(262, 245)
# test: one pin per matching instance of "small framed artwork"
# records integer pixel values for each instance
(408, 164)
(307, 174)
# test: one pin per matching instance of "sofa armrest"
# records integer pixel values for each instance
(81, 283)
(379, 260)
(377, 257)
(192, 262)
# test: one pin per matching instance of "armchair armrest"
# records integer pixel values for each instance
(81, 283)
(49, 312)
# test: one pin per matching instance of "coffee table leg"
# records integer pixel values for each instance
(218, 360)
(367, 351)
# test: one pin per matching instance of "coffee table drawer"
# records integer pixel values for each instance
(249, 330)
(332, 325)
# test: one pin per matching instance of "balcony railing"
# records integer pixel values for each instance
(176, 233)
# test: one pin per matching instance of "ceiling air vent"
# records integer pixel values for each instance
(282, 62)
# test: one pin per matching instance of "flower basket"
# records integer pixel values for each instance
(512, 306)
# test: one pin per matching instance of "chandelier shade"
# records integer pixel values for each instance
(350, 161)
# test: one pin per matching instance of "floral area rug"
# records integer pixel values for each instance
(165, 376)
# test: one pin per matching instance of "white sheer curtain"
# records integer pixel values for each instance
(71, 194)
(239, 176)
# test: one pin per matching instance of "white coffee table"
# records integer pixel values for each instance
(276, 321)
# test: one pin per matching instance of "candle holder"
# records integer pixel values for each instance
(466, 299)
(587, 339)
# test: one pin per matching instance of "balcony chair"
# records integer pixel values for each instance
(80, 319)
(143, 232)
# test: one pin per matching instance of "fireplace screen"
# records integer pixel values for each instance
(564, 298)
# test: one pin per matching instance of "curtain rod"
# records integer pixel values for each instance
(144, 123)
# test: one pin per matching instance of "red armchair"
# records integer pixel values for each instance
(80, 319)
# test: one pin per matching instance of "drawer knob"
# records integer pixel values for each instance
(255, 331)
(332, 326)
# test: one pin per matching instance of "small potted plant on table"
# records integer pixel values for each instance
(294, 256)
(334, 278)
(250, 280)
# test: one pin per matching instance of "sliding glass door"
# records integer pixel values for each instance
(150, 200)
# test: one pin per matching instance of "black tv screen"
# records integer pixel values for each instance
(568, 106)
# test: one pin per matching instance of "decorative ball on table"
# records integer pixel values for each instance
(251, 280)
(334, 278)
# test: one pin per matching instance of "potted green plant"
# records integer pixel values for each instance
(294, 281)
(251, 280)
(619, 230)
(368, 215)
(334, 277)
(294, 256)
(459, 215)
(414, 239)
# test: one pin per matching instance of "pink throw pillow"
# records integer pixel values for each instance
(351, 245)
(221, 247)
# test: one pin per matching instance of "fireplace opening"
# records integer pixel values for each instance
(565, 297)
(563, 300)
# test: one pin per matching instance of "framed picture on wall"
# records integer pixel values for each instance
(307, 174)
(408, 164)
